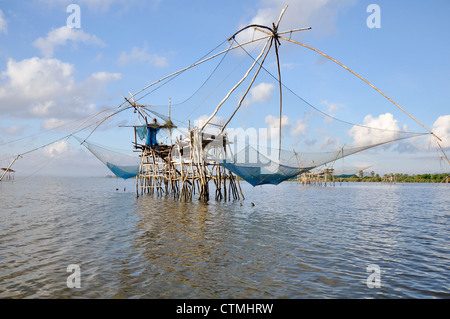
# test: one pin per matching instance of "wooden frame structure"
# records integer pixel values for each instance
(8, 170)
(320, 178)
(8, 174)
(184, 169)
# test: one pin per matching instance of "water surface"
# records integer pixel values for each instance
(293, 242)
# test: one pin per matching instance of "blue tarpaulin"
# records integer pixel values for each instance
(151, 136)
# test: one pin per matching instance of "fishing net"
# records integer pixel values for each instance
(263, 127)
(349, 171)
(122, 165)
(263, 165)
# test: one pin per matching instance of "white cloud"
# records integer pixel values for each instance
(3, 23)
(56, 149)
(40, 78)
(53, 123)
(260, 93)
(300, 127)
(390, 131)
(99, 5)
(329, 143)
(140, 55)
(63, 35)
(46, 88)
(441, 128)
(213, 126)
(273, 126)
(105, 76)
(331, 106)
(274, 122)
(320, 14)
(13, 130)
(376, 130)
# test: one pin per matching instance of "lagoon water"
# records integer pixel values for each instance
(295, 242)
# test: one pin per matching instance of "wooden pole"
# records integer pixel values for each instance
(234, 88)
(251, 83)
(7, 169)
(197, 63)
(359, 76)
(281, 97)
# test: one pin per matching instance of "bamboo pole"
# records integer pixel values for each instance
(442, 150)
(359, 76)
(198, 63)
(251, 83)
(181, 173)
(281, 96)
(7, 169)
(234, 88)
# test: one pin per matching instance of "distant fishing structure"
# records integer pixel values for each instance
(207, 164)
(8, 174)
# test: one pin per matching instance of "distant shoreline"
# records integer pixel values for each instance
(368, 182)
(390, 178)
(387, 178)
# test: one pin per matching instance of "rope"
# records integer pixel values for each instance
(195, 64)
(203, 57)
(442, 150)
(39, 133)
(234, 87)
(322, 112)
(48, 144)
(359, 76)
(370, 84)
(251, 83)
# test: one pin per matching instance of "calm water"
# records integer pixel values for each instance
(295, 242)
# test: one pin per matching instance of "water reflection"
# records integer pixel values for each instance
(317, 243)
(187, 245)
(294, 242)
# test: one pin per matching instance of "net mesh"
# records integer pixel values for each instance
(324, 115)
(122, 165)
(259, 166)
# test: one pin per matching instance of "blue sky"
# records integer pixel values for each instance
(53, 77)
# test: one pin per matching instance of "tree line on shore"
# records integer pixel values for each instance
(398, 178)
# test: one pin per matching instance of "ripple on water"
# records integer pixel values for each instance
(295, 242)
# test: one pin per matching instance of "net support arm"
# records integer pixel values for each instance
(360, 77)
(7, 169)
(235, 87)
